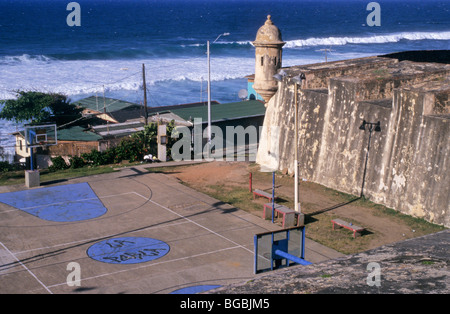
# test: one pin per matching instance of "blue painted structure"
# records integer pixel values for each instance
(128, 250)
(32, 135)
(279, 249)
(195, 289)
(252, 94)
(292, 258)
(62, 203)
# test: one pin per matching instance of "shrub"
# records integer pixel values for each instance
(58, 163)
(76, 162)
(133, 148)
(110, 156)
(130, 149)
(5, 166)
(94, 158)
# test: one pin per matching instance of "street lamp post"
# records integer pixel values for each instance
(297, 81)
(209, 91)
(372, 127)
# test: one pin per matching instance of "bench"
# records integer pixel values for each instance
(344, 224)
(288, 214)
(262, 194)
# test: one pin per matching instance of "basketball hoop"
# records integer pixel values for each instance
(43, 144)
(40, 135)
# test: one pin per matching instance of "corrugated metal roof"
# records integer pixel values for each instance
(222, 112)
(182, 114)
(77, 133)
(120, 132)
(119, 129)
(125, 111)
(167, 117)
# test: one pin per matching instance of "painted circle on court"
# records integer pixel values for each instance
(128, 250)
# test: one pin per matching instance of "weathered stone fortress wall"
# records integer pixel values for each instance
(407, 168)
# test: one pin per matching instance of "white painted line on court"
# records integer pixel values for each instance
(58, 203)
(150, 265)
(75, 201)
(27, 269)
(187, 220)
(195, 223)
(93, 239)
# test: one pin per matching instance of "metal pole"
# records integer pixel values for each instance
(293, 258)
(255, 264)
(273, 194)
(271, 258)
(31, 150)
(145, 94)
(296, 207)
(209, 100)
(31, 159)
(302, 255)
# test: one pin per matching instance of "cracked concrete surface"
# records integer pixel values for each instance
(414, 266)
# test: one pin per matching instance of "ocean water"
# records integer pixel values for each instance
(104, 55)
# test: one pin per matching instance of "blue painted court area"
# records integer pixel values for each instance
(63, 203)
(195, 289)
(128, 250)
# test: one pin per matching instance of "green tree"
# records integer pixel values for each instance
(38, 107)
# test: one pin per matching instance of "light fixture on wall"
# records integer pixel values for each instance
(299, 78)
(279, 76)
(371, 125)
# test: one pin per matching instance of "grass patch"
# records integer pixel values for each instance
(318, 224)
(419, 225)
(319, 228)
(236, 196)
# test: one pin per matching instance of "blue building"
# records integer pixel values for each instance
(252, 94)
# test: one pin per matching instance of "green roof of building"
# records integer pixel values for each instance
(77, 133)
(221, 112)
(99, 103)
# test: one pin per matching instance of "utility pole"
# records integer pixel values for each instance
(104, 110)
(325, 50)
(145, 94)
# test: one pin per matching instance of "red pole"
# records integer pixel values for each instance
(250, 182)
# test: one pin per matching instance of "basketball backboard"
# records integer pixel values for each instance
(281, 248)
(40, 135)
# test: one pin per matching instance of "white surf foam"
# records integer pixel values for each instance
(376, 39)
(89, 76)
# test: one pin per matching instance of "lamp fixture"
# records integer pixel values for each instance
(370, 124)
(299, 78)
(371, 128)
(279, 76)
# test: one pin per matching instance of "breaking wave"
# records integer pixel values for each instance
(344, 40)
(73, 77)
(376, 39)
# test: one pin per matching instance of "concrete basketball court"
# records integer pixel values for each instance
(130, 232)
